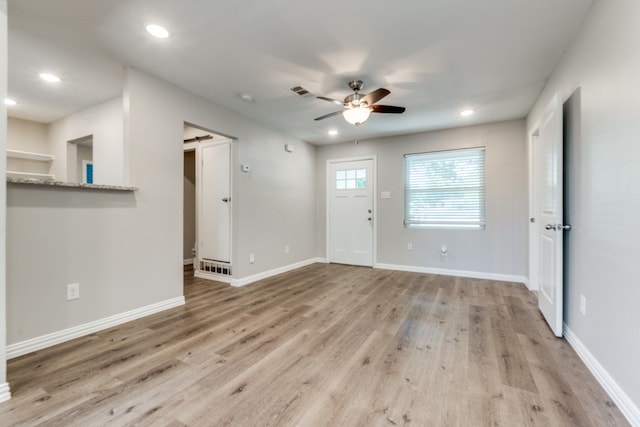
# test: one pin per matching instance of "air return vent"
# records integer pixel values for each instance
(217, 267)
(302, 91)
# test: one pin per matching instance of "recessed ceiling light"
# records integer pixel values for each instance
(8, 101)
(247, 98)
(49, 78)
(466, 113)
(333, 132)
(157, 31)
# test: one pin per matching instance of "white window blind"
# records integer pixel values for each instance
(445, 189)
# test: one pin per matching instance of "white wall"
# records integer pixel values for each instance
(125, 249)
(604, 195)
(105, 122)
(4, 387)
(272, 206)
(500, 249)
(25, 135)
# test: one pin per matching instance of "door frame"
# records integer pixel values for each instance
(329, 182)
(533, 284)
(193, 146)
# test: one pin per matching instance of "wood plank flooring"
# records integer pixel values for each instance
(325, 345)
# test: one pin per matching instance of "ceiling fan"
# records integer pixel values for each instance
(357, 107)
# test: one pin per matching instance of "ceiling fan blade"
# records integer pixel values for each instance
(326, 116)
(388, 109)
(375, 96)
(335, 101)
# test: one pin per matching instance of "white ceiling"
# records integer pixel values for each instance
(436, 57)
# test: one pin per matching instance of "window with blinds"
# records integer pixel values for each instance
(445, 189)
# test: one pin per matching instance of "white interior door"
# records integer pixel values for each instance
(214, 226)
(350, 212)
(549, 214)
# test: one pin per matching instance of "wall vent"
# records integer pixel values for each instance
(216, 267)
(302, 91)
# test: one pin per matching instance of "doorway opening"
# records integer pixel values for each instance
(80, 160)
(207, 203)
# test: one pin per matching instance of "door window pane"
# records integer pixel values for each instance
(351, 179)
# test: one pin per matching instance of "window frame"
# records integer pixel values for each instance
(470, 217)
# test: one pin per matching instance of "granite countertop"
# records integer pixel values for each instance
(52, 183)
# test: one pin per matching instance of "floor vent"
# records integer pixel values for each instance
(216, 267)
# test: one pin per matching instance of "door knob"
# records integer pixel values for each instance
(550, 227)
(565, 227)
(226, 199)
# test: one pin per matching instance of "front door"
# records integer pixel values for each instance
(548, 190)
(350, 212)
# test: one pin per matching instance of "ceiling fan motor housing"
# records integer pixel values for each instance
(356, 85)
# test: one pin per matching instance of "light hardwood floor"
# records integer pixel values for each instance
(323, 345)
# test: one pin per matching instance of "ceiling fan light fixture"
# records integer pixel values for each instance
(356, 115)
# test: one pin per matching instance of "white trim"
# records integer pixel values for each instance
(617, 394)
(532, 229)
(187, 261)
(44, 341)
(5, 393)
(266, 274)
(212, 276)
(458, 273)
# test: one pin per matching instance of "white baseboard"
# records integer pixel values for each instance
(617, 394)
(458, 273)
(266, 274)
(5, 394)
(38, 343)
(213, 276)
(187, 261)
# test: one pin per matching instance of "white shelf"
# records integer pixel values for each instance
(29, 175)
(17, 154)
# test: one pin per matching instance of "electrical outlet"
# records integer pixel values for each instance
(73, 291)
(286, 249)
(409, 246)
(583, 304)
(252, 258)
